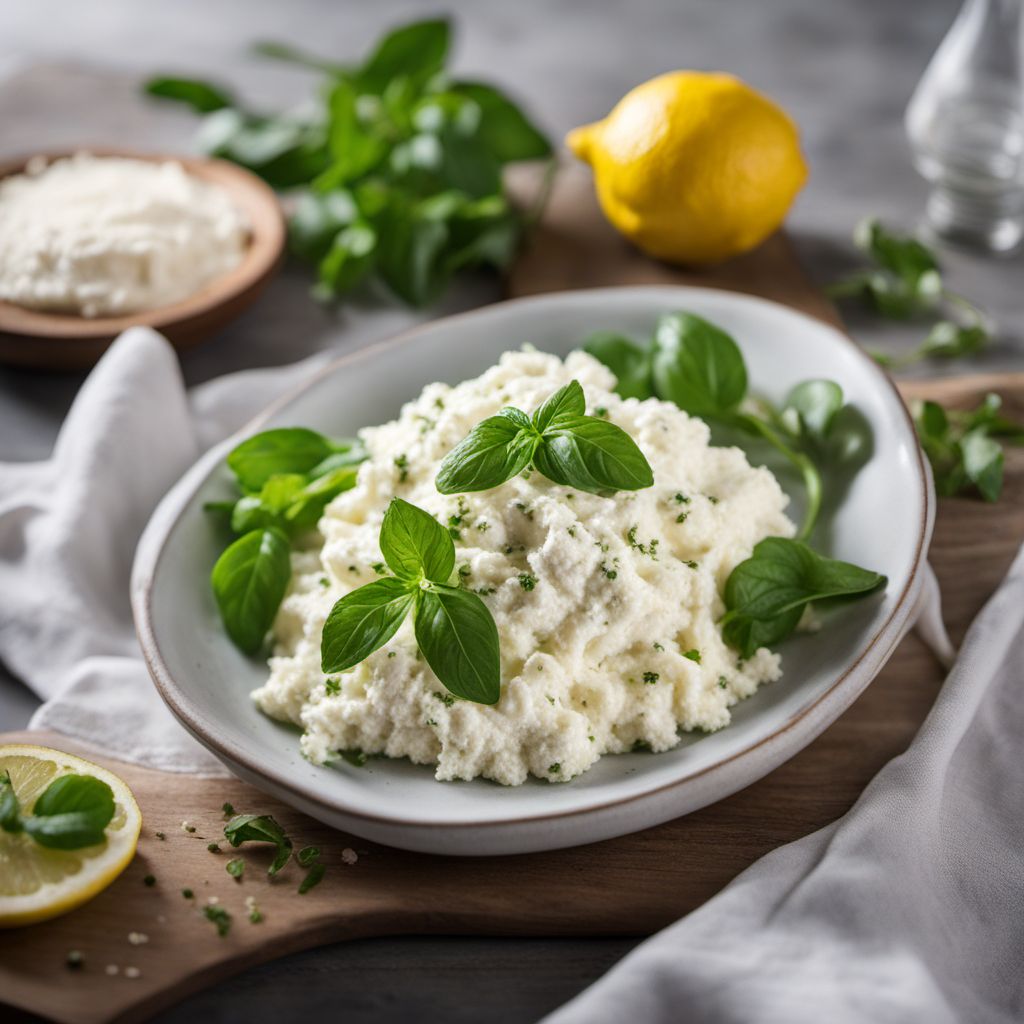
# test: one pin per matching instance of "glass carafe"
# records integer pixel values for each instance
(966, 127)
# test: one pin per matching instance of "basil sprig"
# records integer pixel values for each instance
(560, 441)
(397, 165)
(287, 477)
(69, 814)
(766, 595)
(700, 367)
(905, 282)
(963, 446)
(454, 629)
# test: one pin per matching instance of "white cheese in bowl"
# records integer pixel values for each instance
(108, 236)
(607, 608)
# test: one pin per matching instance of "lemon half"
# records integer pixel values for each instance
(694, 167)
(37, 883)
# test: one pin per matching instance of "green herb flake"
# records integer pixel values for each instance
(313, 877)
(693, 654)
(228, 809)
(681, 499)
(650, 678)
(213, 847)
(325, 582)
(657, 646)
(332, 687)
(74, 960)
(445, 698)
(160, 835)
(219, 917)
(555, 768)
(356, 758)
(307, 855)
(235, 868)
(188, 894)
(527, 580)
(723, 682)
(379, 568)
(402, 465)
(149, 881)
(601, 412)
(260, 828)
(690, 563)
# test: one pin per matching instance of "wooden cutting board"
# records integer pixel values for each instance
(628, 886)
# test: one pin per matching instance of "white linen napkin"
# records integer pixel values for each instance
(68, 531)
(909, 908)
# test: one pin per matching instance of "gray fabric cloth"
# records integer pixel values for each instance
(908, 909)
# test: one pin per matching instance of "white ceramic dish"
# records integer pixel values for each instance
(884, 523)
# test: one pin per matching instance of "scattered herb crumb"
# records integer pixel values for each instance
(527, 581)
(160, 835)
(188, 894)
(235, 868)
(213, 847)
(149, 880)
(610, 573)
(465, 572)
(657, 646)
(693, 654)
(601, 412)
(445, 698)
(485, 591)
(402, 465)
(690, 563)
(723, 682)
(483, 526)
(74, 960)
(555, 769)
(186, 827)
(551, 701)
(220, 917)
(651, 677)
(255, 914)
(307, 855)
(356, 758)
(379, 568)
(681, 499)
(325, 582)
(681, 518)
(572, 531)
(332, 687)
(713, 499)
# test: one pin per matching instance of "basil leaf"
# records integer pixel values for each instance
(354, 150)
(249, 581)
(10, 810)
(996, 425)
(567, 401)
(630, 363)
(308, 504)
(765, 595)
(317, 219)
(350, 258)
(503, 128)
(905, 257)
(814, 404)
(283, 450)
(415, 52)
(458, 638)
(363, 621)
(494, 451)
(948, 340)
(71, 813)
(411, 255)
(291, 55)
(697, 365)
(415, 544)
(983, 463)
(260, 828)
(591, 454)
(202, 97)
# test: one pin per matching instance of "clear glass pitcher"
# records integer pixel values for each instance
(966, 127)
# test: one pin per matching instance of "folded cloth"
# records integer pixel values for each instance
(910, 908)
(68, 531)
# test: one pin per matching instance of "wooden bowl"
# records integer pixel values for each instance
(64, 341)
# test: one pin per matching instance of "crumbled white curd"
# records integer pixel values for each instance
(598, 600)
(106, 236)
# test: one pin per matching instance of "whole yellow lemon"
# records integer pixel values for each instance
(694, 167)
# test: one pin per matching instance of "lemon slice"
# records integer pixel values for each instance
(37, 883)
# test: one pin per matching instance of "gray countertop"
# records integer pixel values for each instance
(844, 70)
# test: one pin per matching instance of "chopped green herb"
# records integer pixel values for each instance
(255, 914)
(356, 758)
(571, 531)
(325, 582)
(313, 877)
(235, 868)
(379, 568)
(527, 580)
(485, 591)
(483, 526)
(402, 465)
(657, 646)
(213, 847)
(260, 828)
(601, 412)
(220, 917)
(228, 809)
(149, 880)
(188, 894)
(723, 682)
(681, 518)
(391, 654)
(651, 678)
(610, 573)
(307, 855)
(644, 549)
(332, 687)
(551, 701)
(464, 572)
(74, 959)
(681, 499)
(713, 499)
(693, 655)
(555, 768)
(690, 563)
(432, 722)
(160, 835)
(445, 698)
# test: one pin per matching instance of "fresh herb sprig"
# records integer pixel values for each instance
(287, 477)
(765, 596)
(905, 283)
(71, 813)
(962, 446)
(700, 367)
(454, 629)
(400, 165)
(559, 441)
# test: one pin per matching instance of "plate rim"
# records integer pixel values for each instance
(163, 522)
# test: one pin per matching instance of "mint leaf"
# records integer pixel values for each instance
(71, 813)
(630, 363)
(494, 451)
(260, 828)
(202, 97)
(363, 621)
(567, 401)
(459, 640)
(503, 128)
(249, 581)
(414, 52)
(983, 462)
(593, 455)
(697, 365)
(765, 595)
(284, 450)
(415, 544)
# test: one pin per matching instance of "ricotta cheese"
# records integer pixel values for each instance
(106, 236)
(606, 607)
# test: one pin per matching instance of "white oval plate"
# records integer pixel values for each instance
(884, 523)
